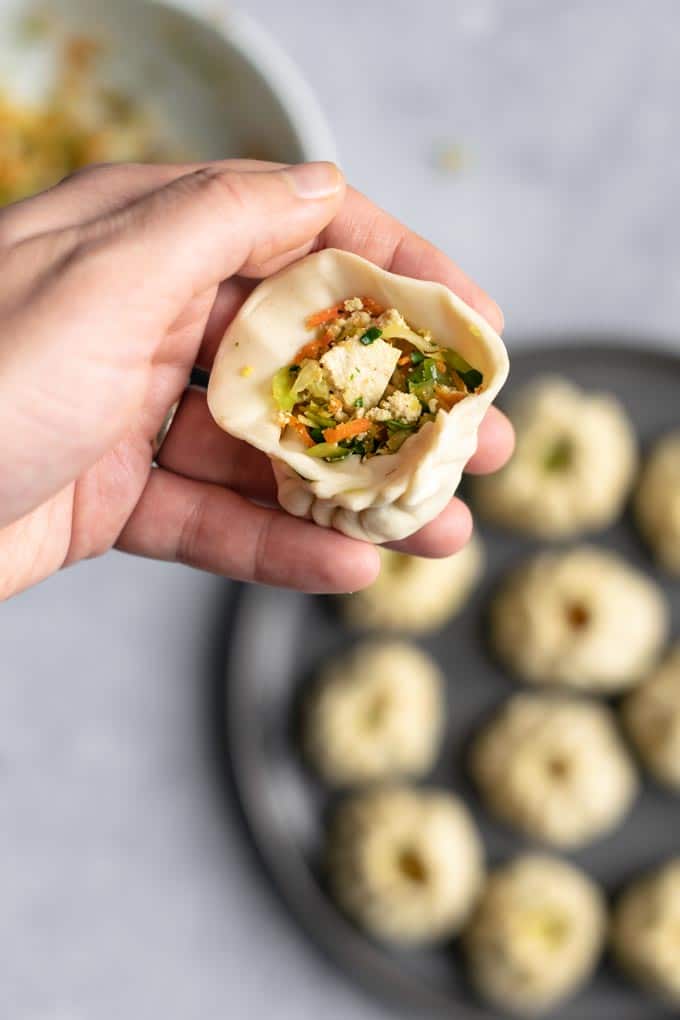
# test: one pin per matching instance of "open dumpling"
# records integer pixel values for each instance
(365, 389)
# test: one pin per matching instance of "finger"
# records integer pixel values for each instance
(443, 536)
(228, 221)
(197, 448)
(97, 191)
(214, 529)
(363, 228)
(496, 441)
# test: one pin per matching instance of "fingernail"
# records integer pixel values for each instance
(314, 180)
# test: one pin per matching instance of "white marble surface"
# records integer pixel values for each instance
(126, 888)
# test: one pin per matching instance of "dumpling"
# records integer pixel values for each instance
(583, 618)
(555, 768)
(413, 594)
(651, 715)
(405, 864)
(573, 465)
(375, 714)
(536, 934)
(657, 502)
(368, 408)
(645, 928)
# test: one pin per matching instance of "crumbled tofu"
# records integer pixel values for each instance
(353, 304)
(377, 414)
(356, 370)
(398, 406)
(282, 418)
(403, 406)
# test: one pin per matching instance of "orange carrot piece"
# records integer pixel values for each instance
(346, 430)
(314, 349)
(405, 360)
(325, 315)
(302, 431)
(372, 306)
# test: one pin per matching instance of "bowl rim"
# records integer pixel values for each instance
(279, 71)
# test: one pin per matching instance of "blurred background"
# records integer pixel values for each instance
(537, 144)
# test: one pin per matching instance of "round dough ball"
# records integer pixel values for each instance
(405, 864)
(583, 618)
(573, 465)
(645, 928)
(375, 714)
(554, 768)
(651, 714)
(536, 934)
(657, 501)
(413, 594)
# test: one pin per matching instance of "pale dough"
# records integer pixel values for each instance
(536, 934)
(555, 767)
(583, 618)
(375, 714)
(405, 864)
(645, 929)
(413, 594)
(657, 502)
(383, 498)
(651, 715)
(573, 465)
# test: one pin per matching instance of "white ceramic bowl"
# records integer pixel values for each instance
(221, 87)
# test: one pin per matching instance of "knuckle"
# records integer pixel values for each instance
(189, 538)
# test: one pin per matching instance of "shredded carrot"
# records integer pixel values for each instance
(314, 349)
(448, 398)
(441, 367)
(372, 306)
(325, 315)
(406, 360)
(302, 431)
(346, 430)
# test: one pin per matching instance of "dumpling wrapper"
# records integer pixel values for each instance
(384, 498)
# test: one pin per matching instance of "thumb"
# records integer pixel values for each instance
(210, 224)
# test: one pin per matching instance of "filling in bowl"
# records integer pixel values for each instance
(366, 382)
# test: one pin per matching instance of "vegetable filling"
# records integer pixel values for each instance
(366, 382)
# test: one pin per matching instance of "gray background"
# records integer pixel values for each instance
(126, 887)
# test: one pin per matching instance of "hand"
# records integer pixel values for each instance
(114, 284)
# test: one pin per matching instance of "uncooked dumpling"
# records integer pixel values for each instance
(405, 864)
(555, 768)
(414, 594)
(573, 464)
(651, 715)
(365, 389)
(374, 714)
(536, 934)
(645, 929)
(583, 618)
(657, 501)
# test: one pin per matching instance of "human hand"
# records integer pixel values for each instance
(114, 284)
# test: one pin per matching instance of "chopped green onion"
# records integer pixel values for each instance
(359, 402)
(282, 391)
(328, 451)
(416, 357)
(393, 425)
(370, 335)
(317, 435)
(470, 376)
(322, 421)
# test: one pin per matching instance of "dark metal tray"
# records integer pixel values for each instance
(279, 638)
